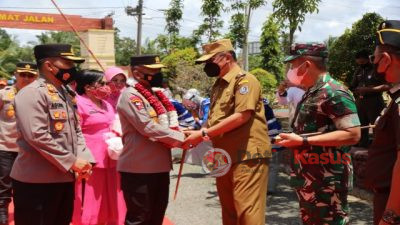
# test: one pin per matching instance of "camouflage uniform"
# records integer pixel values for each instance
(321, 186)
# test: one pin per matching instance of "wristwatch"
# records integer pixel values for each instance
(205, 135)
(305, 141)
(391, 218)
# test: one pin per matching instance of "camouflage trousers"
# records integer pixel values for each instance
(323, 206)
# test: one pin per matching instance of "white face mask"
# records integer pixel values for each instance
(293, 76)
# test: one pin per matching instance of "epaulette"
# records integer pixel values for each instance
(240, 75)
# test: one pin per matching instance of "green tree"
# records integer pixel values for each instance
(268, 82)
(292, 13)
(8, 54)
(172, 16)
(255, 61)
(343, 49)
(124, 48)
(60, 37)
(211, 11)
(271, 50)
(183, 73)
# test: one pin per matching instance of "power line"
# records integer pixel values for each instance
(101, 7)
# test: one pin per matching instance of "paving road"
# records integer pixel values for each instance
(198, 204)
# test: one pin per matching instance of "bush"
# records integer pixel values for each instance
(183, 73)
(268, 83)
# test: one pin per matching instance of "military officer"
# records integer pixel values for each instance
(148, 136)
(25, 74)
(383, 164)
(322, 171)
(236, 125)
(43, 172)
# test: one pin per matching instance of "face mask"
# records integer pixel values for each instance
(66, 76)
(212, 69)
(102, 92)
(115, 89)
(292, 76)
(156, 79)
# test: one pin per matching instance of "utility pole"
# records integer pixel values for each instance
(138, 11)
(139, 27)
(245, 51)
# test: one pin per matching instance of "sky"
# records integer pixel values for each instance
(333, 18)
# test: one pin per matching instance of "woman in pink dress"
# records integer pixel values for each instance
(116, 80)
(103, 201)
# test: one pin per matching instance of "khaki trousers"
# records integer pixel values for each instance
(243, 192)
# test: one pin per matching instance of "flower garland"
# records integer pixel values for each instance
(166, 118)
(171, 111)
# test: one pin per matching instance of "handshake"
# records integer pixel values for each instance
(82, 169)
(192, 138)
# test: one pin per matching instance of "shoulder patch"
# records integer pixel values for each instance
(138, 102)
(244, 89)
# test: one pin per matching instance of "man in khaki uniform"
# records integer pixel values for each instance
(237, 125)
(43, 172)
(145, 161)
(25, 74)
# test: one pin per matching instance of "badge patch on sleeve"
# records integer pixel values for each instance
(244, 90)
(137, 102)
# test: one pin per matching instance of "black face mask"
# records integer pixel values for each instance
(66, 76)
(156, 79)
(212, 69)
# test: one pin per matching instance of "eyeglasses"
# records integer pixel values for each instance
(28, 75)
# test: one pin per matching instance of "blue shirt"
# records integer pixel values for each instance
(274, 127)
(185, 118)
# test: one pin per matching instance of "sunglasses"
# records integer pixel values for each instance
(28, 75)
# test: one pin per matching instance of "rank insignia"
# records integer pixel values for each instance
(244, 90)
(137, 102)
(56, 115)
(152, 113)
(11, 95)
(11, 112)
(51, 88)
(58, 126)
(54, 97)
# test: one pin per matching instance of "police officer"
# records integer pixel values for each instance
(384, 150)
(322, 171)
(145, 161)
(237, 125)
(43, 172)
(25, 74)
(367, 87)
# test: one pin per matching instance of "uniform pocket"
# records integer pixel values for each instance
(58, 119)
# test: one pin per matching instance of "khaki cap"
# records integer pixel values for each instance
(211, 49)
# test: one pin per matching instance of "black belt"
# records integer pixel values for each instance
(381, 190)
